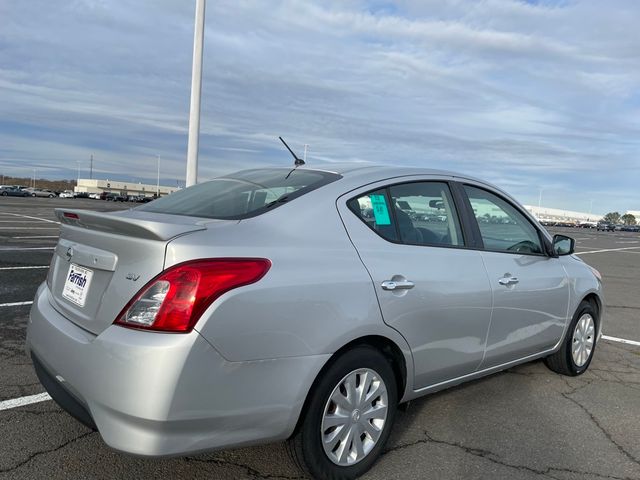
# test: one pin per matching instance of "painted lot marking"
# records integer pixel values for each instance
(39, 236)
(30, 267)
(606, 250)
(621, 340)
(15, 304)
(19, 249)
(29, 228)
(22, 401)
(32, 218)
(20, 221)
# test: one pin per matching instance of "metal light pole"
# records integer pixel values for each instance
(34, 178)
(304, 156)
(539, 199)
(196, 89)
(158, 179)
(78, 179)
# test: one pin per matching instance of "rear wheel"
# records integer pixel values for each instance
(578, 347)
(348, 417)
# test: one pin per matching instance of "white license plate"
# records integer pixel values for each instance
(76, 286)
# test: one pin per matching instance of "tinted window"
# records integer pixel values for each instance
(421, 213)
(426, 214)
(373, 209)
(241, 195)
(502, 226)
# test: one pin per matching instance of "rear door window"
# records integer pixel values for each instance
(418, 213)
(426, 214)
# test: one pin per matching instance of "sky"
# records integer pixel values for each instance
(541, 98)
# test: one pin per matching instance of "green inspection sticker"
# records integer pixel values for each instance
(380, 210)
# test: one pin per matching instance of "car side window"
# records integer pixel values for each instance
(374, 210)
(502, 227)
(426, 214)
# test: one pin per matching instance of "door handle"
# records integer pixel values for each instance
(508, 280)
(397, 285)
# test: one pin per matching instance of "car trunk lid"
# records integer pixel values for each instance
(103, 259)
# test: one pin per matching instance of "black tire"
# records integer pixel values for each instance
(33, 194)
(305, 446)
(562, 361)
(4, 194)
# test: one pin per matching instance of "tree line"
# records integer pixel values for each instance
(616, 218)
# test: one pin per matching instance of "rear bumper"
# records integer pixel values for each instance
(157, 394)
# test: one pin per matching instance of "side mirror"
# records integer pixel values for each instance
(563, 245)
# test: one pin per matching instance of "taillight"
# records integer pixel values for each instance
(175, 299)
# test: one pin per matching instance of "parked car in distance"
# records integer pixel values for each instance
(115, 197)
(66, 194)
(630, 228)
(14, 192)
(37, 192)
(606, 226)
(301, 305)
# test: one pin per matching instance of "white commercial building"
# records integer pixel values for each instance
(559, 215)
(86, 185)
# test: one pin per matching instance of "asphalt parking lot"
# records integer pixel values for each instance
(524, 423)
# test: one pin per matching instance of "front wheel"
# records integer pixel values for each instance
(349, 417)
(578, 346)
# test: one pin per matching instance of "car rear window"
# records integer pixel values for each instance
(243, 194)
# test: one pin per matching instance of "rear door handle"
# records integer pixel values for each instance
(508, 280)
(397, 285)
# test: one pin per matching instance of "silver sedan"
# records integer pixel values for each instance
(302, 305)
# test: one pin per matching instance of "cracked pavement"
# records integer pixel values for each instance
(523, 423)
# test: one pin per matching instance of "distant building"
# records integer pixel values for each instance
(86, 185)
(559, 215)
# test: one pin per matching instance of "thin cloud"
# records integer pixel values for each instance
(523, 94)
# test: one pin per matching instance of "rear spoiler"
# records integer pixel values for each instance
(131, 223)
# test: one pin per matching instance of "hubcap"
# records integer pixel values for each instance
(354, 417)
(583, 337)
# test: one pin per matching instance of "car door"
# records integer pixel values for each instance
(430, 286)
(530, 288)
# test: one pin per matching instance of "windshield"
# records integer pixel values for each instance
(243, 194)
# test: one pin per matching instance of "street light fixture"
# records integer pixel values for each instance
(196, 89)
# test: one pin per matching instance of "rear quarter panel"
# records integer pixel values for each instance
(316, 297)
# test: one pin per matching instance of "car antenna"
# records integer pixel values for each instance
(298, 161)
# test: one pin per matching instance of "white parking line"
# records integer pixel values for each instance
(19, 249)
(621, 340)
(29, 228)
(30, 267)
(39, 236)
(15, 304)
(22, 401)
(33, 218)
(20, 221)
(607, 250)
